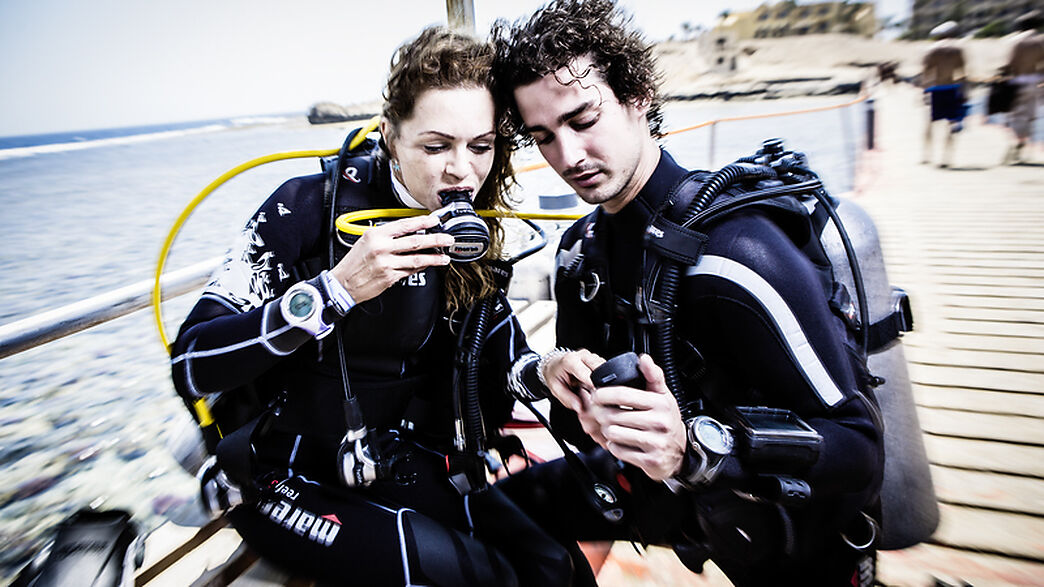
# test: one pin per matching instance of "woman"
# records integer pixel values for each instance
(406, 503)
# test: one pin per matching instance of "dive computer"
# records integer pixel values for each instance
(302, 307)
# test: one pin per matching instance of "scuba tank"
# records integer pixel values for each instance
(909, 509)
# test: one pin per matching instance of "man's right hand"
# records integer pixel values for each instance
(569, 379)
(385, 254)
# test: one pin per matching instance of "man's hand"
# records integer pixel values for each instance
(569, 379)
(385, 254)
(640, 427)
(568, 374)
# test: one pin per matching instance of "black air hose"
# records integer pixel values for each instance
(663, 301)
(477, 323)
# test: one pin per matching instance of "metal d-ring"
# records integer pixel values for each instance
(593, 288)
(873, 534)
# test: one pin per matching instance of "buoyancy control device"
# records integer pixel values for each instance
(880, 313)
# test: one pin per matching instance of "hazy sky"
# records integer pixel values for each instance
(72, 64)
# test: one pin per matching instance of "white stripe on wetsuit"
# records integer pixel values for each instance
(787, 324)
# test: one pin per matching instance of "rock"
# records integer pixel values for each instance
(324, 112)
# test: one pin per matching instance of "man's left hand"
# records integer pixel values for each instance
(642, 427)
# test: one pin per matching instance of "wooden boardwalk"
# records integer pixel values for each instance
(967, 244)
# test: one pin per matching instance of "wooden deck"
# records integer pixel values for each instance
(967, 244)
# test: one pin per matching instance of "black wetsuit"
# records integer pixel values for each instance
(400, 347)
(757, 311)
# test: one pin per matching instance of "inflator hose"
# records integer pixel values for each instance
(667, 286)
(472, 410)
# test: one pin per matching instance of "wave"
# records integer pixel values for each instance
(78, 143)
(258, 120)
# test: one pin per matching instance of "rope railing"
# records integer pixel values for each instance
(36, 330)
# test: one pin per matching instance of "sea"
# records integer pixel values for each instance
(85, 421)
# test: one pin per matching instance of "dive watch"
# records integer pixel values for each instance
(711, 441)
(302, 307)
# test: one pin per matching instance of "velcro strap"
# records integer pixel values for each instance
(893, 325)
(675, 241)
(885, 331)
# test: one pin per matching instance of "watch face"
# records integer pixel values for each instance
(713, 436)
(301, 304)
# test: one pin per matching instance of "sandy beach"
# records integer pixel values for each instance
(829, 59)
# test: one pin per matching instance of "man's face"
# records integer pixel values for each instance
(587, 136)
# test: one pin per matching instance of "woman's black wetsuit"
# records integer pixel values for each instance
(414, 528)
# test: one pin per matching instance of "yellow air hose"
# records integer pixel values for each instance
(345, 223)
(157, 292)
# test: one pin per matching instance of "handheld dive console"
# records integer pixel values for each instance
(710, 440)
(619, 370)
(457, 217)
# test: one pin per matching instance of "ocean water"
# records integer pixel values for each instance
(85, 420)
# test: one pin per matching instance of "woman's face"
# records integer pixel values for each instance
(447, 143)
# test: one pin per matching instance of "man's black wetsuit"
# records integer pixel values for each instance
(755, 308)
(399, 346)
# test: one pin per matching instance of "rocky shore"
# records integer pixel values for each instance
(812, 65)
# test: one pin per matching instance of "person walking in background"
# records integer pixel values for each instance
(1026, 67)
(942, 77)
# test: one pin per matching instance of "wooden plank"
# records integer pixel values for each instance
(956, 326)
(981, 455)
(976, 425)
(989, 490)
(944, 289)
(989, 531)
(921, 565)
(1010, 316)
(974, 341)
(982, 359)
(961, 301)
(214, 553)
(168, 543)
(902, 255)
(535, 315)
(542, 340)
(978, 400)
(956, 376)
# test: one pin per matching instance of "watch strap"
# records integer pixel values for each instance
(336, 294)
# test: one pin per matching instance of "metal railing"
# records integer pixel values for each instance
(27, 333)
(34, 331)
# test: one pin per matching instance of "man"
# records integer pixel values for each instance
(942, 77)
(1026, 66)
(581, 85)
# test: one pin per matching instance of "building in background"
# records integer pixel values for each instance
(985, 17)
(789, 18)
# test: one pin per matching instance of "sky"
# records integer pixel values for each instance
(69, 65)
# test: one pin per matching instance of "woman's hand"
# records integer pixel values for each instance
(385, 254)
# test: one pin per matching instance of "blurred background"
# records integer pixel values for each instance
(114, 113)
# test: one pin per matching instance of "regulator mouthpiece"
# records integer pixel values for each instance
(457, 217)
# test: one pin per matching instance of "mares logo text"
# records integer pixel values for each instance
(319, 529)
